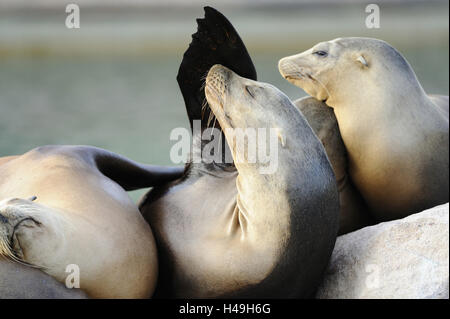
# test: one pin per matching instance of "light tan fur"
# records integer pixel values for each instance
(396, 136)
(239, 233)
(80, 217)
(353, 210)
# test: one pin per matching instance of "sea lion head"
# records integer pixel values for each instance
(18, 217)
(345, 68)
(239, 102)
(243, 104)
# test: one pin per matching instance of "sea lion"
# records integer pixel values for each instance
(395, 134)
(23, 282)
(353, 212)
(228, 230)
(64, 205)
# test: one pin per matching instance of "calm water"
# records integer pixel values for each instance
(129, 104)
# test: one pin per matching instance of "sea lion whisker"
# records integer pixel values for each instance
(204, 76)
(203, 85)
(7, 251)
(372, 116)
(210, 118)
(214, 125)
(204, 107)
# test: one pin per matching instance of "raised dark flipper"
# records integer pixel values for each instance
(215, 42)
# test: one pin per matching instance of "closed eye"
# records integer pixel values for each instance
(320, 53)
(249, 91)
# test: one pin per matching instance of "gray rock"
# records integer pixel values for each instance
(406, 258)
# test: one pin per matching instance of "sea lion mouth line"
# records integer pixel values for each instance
(291, 71)
(212, 115)
(293, 77)
(297, 75)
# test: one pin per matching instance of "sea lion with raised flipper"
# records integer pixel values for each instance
(228, 230)
(67, 205)
(395, 134)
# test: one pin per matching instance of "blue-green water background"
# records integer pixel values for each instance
(112, 83)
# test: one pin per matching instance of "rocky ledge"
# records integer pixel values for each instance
(406, 258)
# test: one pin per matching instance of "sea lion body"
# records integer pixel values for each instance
(353, 210)
(82, 216)
(226, 229)
(23, 282)
(234, 232)
(396, 136)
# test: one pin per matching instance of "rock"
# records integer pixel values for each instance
(406, 258)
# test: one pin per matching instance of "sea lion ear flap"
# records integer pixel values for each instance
(361, 59)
